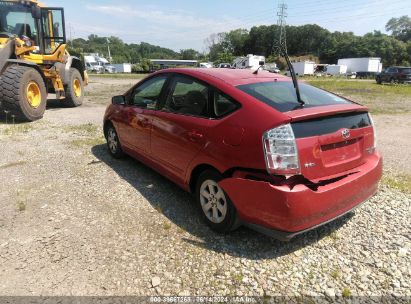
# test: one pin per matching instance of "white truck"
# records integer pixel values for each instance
(362, 66)
(335, 69)
(92, 65)
(303, 68)
(249, 62)
(97, 64)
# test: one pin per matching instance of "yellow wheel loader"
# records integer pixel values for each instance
(34, 61)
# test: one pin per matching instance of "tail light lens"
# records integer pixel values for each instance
(281, 154)
(374, 131)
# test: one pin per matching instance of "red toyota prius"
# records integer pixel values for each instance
(249, 151)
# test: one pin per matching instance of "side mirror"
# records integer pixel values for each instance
(36, 12)
(118, 100)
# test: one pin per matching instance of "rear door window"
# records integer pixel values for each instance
(187, 96)
(223, 104)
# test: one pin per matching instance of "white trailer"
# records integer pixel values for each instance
(92, 64)
(123, 67)
(335, 69)
(304, 68)
(365, 65)
(249, 62)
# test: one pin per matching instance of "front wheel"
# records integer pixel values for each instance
(23, 93)
(379, 81)
(113, 142)
(215, 206)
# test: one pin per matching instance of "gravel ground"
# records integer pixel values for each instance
(74, 221)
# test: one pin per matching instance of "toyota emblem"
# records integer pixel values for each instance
(346, 134)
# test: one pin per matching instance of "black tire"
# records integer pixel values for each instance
(230, 220)
(113, 142)
(74, 98)
(379, 81)
(14, 85)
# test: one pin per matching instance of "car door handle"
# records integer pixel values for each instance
(144, 122)
(195, 136)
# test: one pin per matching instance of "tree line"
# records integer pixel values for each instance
(306, 41)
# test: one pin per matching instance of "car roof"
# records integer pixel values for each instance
(233, 77)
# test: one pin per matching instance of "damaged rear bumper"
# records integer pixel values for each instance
(284, 212)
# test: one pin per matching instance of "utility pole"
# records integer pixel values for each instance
(108, 47)
(281, 44)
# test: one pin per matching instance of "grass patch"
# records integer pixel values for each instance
(118, 76)
(87, 128)
(87, 142)
(380, 99)
(346, 293)
(238, 277)
(13, 164)
(400, 182)
(336, 274)
(166, 226)
(16, 129)
(21, 206)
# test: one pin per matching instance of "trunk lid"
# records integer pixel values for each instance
(332, 139)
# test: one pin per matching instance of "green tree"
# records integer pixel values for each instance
(400, 28)
(189, 54)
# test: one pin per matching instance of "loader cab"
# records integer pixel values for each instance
(43, 27)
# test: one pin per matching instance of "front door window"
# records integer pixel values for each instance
(53, 29)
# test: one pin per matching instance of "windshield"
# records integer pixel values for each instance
(282, 95)
(406, 71)
(16, 19)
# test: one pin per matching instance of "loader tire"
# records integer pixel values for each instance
(23, 93)
(74, 89)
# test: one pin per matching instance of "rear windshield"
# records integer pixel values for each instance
(406, 71)
(282, 95)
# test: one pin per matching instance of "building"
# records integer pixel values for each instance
(160, 64)
(123, 67)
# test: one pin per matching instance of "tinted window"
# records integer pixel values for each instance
(405, 71)
(282, 95)
(148, 94)
(187, 96)
(223, 104)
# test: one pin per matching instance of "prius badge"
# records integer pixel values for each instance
(346, 134)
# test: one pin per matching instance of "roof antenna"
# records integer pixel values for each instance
(282, 46)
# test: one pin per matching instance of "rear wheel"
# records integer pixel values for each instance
(23, 93)
(74, 89)
(215, 206)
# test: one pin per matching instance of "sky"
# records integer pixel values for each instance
(183, 24)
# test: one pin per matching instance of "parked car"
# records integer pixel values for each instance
(395, 75)
(94, 67)
(108, 68)
(224, 66)
(248, 151)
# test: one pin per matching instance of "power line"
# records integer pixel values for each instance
(281, 45)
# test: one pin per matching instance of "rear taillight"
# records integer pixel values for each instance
(281, 154)
(374, 132)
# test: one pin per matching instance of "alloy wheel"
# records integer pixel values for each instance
(112, 140)
(213, 201)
